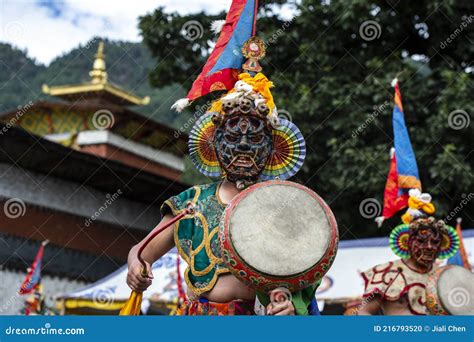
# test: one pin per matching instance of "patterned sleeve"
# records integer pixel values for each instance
(175, 204)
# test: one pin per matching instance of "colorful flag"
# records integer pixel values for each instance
(224, 64)
(460, 258)
(33, 276)
(403, 173)
(392, 200)
(407, 170)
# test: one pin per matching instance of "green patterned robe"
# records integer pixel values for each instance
(196, 237)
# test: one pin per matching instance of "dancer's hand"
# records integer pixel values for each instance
(135, 279)
(280, 304)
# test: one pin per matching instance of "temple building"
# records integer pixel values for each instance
(88, 174)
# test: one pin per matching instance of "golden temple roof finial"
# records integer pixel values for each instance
(98, 73)
(97, 88)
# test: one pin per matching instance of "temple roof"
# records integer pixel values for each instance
(98, 88)
(149, 124)
(28, 152)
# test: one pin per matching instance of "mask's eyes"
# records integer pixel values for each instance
(232, 123)
(255, 122)
(231, 138)
(256, 139)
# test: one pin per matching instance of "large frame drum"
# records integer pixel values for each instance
(278, 234)
(450, 291)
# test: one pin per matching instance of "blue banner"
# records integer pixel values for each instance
(241, 329)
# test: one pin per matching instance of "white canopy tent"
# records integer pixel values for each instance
(342, 283)
(110, 293)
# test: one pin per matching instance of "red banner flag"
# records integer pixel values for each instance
(393, 200)
(33, 276)
(225, 62)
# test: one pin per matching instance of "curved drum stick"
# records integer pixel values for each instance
(188, 211)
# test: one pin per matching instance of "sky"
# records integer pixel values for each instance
(47, 28)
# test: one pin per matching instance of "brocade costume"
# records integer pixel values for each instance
(196, 236)
(395, 279)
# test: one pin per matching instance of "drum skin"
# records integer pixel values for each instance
(259, 280)
(450, 291)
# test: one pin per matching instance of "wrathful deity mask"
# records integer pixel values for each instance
(243, 144)
(424, 245)
(424, 240)
(242, 138)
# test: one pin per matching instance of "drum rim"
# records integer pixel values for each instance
(334, 234)
(437, 307)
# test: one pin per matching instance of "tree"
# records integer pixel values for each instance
(332, 66)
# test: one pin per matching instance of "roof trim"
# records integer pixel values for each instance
(107, 87)
(107, 137)
(87, 106)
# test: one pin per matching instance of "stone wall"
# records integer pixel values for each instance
(10, 281)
